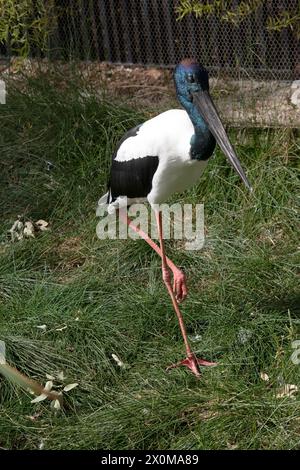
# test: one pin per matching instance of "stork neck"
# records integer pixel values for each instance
(199, 124)
(202, 142)
(195, 116)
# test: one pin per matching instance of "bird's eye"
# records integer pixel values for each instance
(191, 78)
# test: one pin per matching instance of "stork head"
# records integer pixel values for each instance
(190, 77)
(192, 87)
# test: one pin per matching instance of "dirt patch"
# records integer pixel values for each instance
(69, 246)
(241, 102)
(66, 257)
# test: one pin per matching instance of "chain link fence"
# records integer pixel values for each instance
(254, 68)
(148, 32)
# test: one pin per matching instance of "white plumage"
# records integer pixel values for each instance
(167, 136)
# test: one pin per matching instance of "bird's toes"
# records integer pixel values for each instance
(179, 287)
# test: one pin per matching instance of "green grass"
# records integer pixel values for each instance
(243, 302)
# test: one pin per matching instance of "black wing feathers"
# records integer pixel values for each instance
(131, 178)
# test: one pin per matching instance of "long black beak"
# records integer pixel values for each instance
(209, 113)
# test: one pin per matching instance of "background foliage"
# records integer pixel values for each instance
(236, 12)
(25, 25)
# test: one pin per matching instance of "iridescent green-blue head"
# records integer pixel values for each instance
(192, 88)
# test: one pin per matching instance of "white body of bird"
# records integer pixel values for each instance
(168, 137)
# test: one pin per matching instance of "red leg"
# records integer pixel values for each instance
(179, 280)
(192, 362)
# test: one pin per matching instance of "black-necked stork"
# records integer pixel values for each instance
(165, 155)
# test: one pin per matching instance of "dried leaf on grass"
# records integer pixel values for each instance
(264, 377)
(42, 327)
(41, 397)
(69, 387)
(62, 328)
(27, 229)
(118, 361)
(42, 225)
(287, 390)
(56, 405)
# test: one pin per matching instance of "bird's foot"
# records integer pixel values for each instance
(193, 363)
(179, 285)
